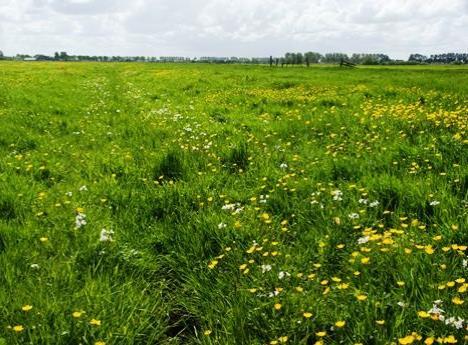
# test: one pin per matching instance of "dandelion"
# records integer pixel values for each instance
(277, 306)
(95, 322)
(77, 314)
(26, 307)
(340, 324)
(18, 328)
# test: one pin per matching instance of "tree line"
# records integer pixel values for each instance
(290, 58)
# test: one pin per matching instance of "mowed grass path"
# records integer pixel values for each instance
(206, 204)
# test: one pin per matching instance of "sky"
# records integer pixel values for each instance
(247, 28)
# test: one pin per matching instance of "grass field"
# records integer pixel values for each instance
(207, 204)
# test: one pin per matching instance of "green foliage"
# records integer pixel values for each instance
(179, 203)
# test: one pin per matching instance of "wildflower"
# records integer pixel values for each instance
(77, 314)
(80, 220)
(43, 239)
(361, 297)
(83, 189)
(340, 324)
(283, 339)
(266, 268)
(307, 315)
(18, 328)
(380, 322)
(429, 341)
(221, 225)
(434, 203)
(409, 339)
(321, 334)
(277, 306)
(374, 204)
(26, 307)
(95, 322)
(208, 332)
(457, 300)
(353, 216)
(283, 165)
(106, 235)
(212, 264)
(423, 314)
(362, 240)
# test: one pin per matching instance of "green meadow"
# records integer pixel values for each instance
(233, 204)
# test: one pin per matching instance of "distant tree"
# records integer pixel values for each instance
(271, 61)
(417, 58)
(335, 57)
(299, 59)
(1, 54)
(313, 57)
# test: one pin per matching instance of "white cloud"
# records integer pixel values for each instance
(225, 27)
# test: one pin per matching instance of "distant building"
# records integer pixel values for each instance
(30, 59)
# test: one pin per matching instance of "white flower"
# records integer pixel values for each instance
(221, 225)
(435, 310)
(283, 166)
(282, 274)
(80, 220)
(362, 240)
(266, 268)
(69, 194)
(83, 189)
(35, 266)
(465, 263)
(374, 204)
(337, 194)
(434, 203)
(363, 201)
(353, 216)
(401, 304)
(106, 235)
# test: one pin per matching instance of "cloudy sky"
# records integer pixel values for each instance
(232, 27)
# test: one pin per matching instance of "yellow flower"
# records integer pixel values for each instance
(283, 339)
(307, 315)
(380, 322)
(18, 328)
(400, 283)
(212, 264)
(321, 334)
(361, 297)
(207, 332)
(77, 314)
(365, 260)
(429, 250)
(340, 324)
(457, 300)
(277, 306)
(26, 307)
(99, 342)
(43, 239)
(406, 340)
(423, 314)
(450, 340)
(95, 322)
(429, 341)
